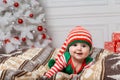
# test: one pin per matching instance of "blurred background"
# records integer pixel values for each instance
(100, 17)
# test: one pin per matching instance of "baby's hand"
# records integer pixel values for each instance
(72, 75)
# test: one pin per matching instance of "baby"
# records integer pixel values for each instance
(74, 54)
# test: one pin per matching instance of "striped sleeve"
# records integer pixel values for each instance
(62, 50)
(58, 66)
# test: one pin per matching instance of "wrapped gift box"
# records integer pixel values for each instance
(116, 36)
(114, 45)
(110, 46)
(118, 47)
(116, 40)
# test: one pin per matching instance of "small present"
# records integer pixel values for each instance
(118, 47)
(116, 36)
(110, 46)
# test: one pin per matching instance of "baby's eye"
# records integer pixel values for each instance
(74, 44)
(84, 45)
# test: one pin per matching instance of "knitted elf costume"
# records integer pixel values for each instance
(64, 61)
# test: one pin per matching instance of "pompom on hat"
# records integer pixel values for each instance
(77, 34)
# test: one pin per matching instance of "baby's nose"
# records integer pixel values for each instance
(79, 47)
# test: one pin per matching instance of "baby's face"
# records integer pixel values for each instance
(79, 51)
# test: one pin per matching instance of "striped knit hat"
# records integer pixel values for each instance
(78, 34)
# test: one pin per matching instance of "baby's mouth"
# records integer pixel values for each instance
(79, 53)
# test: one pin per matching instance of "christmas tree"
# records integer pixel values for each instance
(22, 25)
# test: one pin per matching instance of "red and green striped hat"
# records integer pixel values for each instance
(78, 34)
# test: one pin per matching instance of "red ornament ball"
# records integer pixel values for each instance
(16, 37)
(6, 41)
(39, 28)
(16, 4)
(5, 1)
(43, 36)
(24, 39)
(20, 21)
(31, 15)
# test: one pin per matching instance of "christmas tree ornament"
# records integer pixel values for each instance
(43, 36)
(31, 15)
(16, 37)
(33, 31)
(6, 41)
(13, 23)
(39, 28)
(24, 39)
(5, 1)
(16, 4)
(20, 21)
